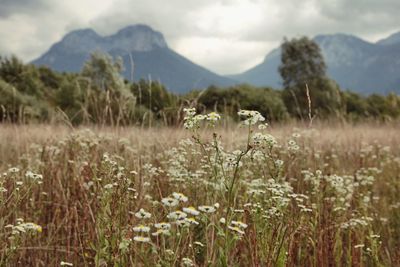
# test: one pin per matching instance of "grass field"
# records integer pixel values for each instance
(286, 195)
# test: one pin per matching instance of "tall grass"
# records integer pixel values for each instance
(236, 196)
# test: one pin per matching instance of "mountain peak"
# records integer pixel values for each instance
(137, 37)
(391, 40)
(138, 43)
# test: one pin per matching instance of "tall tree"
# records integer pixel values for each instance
(302, 62)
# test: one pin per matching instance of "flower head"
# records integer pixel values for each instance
(142, 214)
(141, 239)
(141, 228)
(180, 197)
(207, 209)
(191, 210)
(169, 201)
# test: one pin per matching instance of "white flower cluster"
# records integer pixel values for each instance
(192, 120)
(23, 227)
(263, 140)
(251, 116)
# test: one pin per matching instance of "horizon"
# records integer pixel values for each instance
(201, 32)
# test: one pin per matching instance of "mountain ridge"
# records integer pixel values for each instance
(352, 62)
(150, 53)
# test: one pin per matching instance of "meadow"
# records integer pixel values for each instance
(247, 194)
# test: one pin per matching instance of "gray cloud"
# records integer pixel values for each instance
(10, 7)
(223, 35)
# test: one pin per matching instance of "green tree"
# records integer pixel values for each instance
(104, 72)
(302, 62)
(306, 85)
(106, 97)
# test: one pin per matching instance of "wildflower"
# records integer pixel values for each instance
(141, 239)
(236, 229)
(170, 202)
(177, 215)
(182, 222)
(239, 224)
(295, 135)
(180, 197)
(141, 228)
(64, 263)
(32, 226)
(191, 221)
(213, 117)
(162, 225)
(191, 210)
(33, 176)
(187, 262)
(207, 209)
(252, 116)
(108, 186)
(13, 170)
(199, 244)
(161, 232)
(262, 126)
(190, 111)
(142, 214)
(222, 220)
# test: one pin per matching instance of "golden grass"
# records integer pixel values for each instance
(83, 203)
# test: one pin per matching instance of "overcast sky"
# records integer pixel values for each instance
(225, 36)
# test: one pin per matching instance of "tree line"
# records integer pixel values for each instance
(100, 95)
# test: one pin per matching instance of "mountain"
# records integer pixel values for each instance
(353, 63)
(137, 44)
(391, 40)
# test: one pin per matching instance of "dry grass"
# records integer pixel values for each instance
(87, 224)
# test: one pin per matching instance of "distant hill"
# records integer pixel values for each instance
(352, 62)
(138, 43)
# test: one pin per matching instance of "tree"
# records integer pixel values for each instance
(302, 62)
(108, 99)
(104, 72)
(303, 68)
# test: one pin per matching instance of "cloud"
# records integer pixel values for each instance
(226, 36)
(11, 7)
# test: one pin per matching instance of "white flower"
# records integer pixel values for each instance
(213, 116)
(252, 116)
(161, 232)
(236, 229)
(191, 210)
(182, 223)
(187, 262)
(64, 263)
(142, 214)
(180, 197)
(222, 220)
(191, 221)
(199, 244)
(141, 229)
(33, 176)
(141, 239)
(108, 186)
(207, 209)
(162, 225)
(177, 215)
(13, 170)
(262, 127)
(239, 224)
(169, 201)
